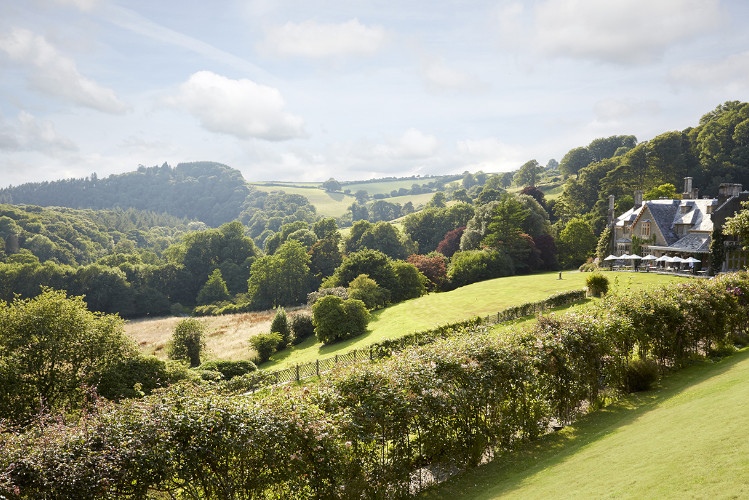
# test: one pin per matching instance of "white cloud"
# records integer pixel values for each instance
(439, 76)
(30, 134)
(241, 108)
(84, 5)
(490, 155)
(730, 73)
(615, 110)
(634, 31)
(55, 74)
(412, 145)
(316, 40)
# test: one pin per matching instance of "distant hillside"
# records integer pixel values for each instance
(206, 191)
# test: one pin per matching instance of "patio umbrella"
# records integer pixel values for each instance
(611, 257)
(663, 258)
(634, 257)
(692, 260)
(624, 256)
(677, 259)
(650, 257)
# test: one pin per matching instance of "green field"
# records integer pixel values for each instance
(478, 299)
(327, 204)
(685, 439)
(385, 186)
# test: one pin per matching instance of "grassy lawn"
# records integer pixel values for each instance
(478, 299)
(685, 439)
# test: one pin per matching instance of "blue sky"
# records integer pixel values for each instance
(352, 89)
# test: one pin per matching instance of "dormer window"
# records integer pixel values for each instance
(645, 230)
(684, 209)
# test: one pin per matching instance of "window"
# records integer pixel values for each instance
(645, 229)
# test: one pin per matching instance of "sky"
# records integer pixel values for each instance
(303, 91)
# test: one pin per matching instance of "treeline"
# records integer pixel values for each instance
(713, 152)
(364, 432)
(79, 237)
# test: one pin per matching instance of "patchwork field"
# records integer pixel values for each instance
(327, 204)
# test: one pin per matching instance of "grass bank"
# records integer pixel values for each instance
(685, 439)
(478, 299)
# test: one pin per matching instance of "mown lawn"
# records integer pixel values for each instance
(478, 299)
(685, 439)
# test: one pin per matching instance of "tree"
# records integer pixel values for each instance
(337, 319)
(188, 340)
(528, 173)
(214, 289)
(361, 196)
(265, 344)
(373, 263)
(663, 191)
(280, 325)
(433, 267)
(438, 200)
(331, 185)
(368, 291)
(576, 242)
(462, 195)
(575, 160)
(738, 225)
(325, 257)
(451, 242)
(411, 283)
(281, 279)
(51, 346)
(552, 165)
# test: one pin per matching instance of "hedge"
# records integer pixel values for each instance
(366, 430)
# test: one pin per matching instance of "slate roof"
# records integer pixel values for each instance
(691, 243)
(667, 214)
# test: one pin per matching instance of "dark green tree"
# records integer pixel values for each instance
(188, 341)
(214, 289)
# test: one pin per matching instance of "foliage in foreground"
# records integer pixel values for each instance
(362, 432)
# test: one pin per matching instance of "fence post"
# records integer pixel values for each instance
(336, 359)
(370, 353)
(354, 355)
(297, 372)
(317, 367)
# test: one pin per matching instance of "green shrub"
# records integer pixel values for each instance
(265, 344)
(588, 267)
(368, 291)
(280, 325)
(640, 375)
(302, 327)
(229, 369)
(187, 341)
(149, 372)
(598, 284)
(337, 319)
(472, 266)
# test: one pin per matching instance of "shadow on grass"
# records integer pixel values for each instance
(507, 472)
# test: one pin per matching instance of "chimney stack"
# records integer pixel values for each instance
(687, 188)
(726, 191)
(638, 198)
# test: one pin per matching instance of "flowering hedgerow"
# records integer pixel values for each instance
(363, 430)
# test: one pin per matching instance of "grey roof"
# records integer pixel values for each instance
(691, 243)
(664, 212)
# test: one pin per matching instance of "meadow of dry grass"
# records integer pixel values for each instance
(227, 337)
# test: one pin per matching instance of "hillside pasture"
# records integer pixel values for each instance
(684, 439)
(385, 186)
(327, 204)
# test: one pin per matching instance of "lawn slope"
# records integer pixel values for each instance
(478, 299)
(686, 439)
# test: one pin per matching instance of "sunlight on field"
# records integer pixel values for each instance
(327, 204)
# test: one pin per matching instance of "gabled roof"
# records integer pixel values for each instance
(691, 243)
(662, 212)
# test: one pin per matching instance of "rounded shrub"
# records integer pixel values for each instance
(229, 369)
(598, 284)
(302, 328)
(640, 375)
(265, 344)
(280, 325)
